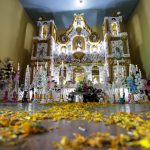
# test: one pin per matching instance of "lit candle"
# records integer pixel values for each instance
(33, 71)
(62, 64)
(117, 63)
(136, 67)
(18, 67)
(28, 68)
(46, 65)
(140, 73)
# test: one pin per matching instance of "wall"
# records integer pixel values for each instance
(16, 32)
(139, 36)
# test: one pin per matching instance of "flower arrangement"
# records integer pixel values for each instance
(134, 81)
(147, 88)
(89, 92)
(85, 87)
(7, 74)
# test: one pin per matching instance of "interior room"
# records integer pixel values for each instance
(74, 75)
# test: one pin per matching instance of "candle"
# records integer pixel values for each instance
(117, 67)
(130, 69)
(136, 67)
(33, 71)
(117, 63)
(28, 68)
(122, 71)
(18, 67)
(46, 65)
(37, 65)
(62, 69)
(140, 73)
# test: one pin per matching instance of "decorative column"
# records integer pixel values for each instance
(16, 90)
(69, 74)
(44, 82)
(17, 77)
(52, 56)
(62, 82)
(27, 79)
(52, 66)
(110, 69)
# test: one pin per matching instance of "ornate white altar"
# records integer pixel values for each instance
(81, 50)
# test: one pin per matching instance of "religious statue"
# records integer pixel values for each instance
(114, 26)
(94, 38)
(95, 81)
(118, 53)
(64, 38)
(79, 44)
(79, 22)
(44, 30)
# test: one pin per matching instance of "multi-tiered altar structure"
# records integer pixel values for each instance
(80, 52)
(60, 61)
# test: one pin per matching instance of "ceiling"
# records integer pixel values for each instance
(62, 10)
